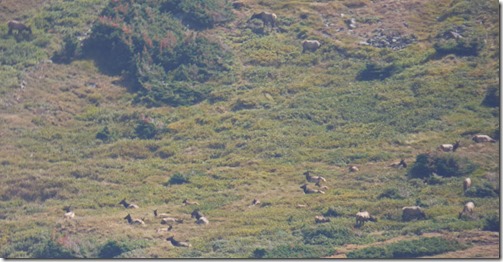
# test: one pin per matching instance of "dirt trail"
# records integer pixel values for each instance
(485, 244)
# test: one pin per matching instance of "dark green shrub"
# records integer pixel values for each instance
(259, 253)
(71, 49)
(422, 247)
(177, 179)
(327, 234)
(296, 251)
(492, 98)
(370, 252)
(485, 190)
(51, 249)
(492, 223)
(460, 47)
(391, 193)
(145, 130)
(105, 135)
(376, 71)
(200, 13)
(444, 165)
(421, 168)
(331, 212)
(114, 248)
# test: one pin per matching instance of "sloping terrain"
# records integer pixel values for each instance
(233, 110)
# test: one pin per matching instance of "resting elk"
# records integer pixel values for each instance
(449, 147)
(483, 138)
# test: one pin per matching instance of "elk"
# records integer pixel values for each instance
(187, 202)
(467, 209)
(69, 214)
(132, 221)
(449, 147)
(362, 217)
(314, 179)
(310, 45)
(483, 138)
(200, 218)
(467, 183)
(399, 164)
(321, 219)
(353, 169)
(412, 212)
(177, 243)
(266, 17)
(310, 190)
(18, 26)
(128, 205)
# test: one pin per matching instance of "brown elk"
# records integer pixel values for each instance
(18, 26)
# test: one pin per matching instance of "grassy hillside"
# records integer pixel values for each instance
(164, 100)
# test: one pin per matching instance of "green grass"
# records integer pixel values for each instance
(268, 113)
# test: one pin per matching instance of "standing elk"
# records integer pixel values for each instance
(310, 45)
(266, 17)
(18, 26)
(467, 183)
(362, 217)
(467, 209)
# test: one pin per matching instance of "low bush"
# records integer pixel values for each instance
(293, 251)
(408, 249)
(492, 223)
(370, 252)
(375, 71)
(329, 234)
(113, 248)
(391, 193)
(485, 190)
(444, 165)
(177, 179)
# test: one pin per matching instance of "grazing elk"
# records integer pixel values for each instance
(321, 219)
(467, 183)
(310, 190)
(483, 138)
(412, 212)
(266, 17)
(177, 243)
(18, 26)
(132, 221)
(362, 217)
(128, 205)
(399, 164)
(467, 209)
(69, 214)
(310, 45)
(449, 147)
(187, 202)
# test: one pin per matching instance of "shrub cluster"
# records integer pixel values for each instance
(146, 43)
(444, 165)
(293, 251)
(408, 249)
